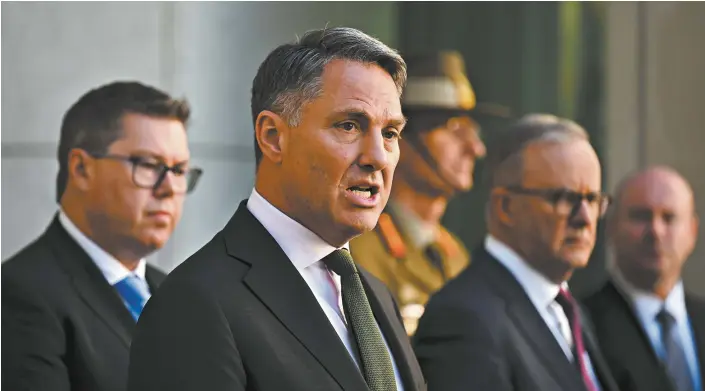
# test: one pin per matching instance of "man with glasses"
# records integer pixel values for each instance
(71, 299)
(409, 250)
(509, 322)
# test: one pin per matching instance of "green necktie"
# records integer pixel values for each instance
(376, 363)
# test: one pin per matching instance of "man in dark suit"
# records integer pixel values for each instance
(71, 298)
(651, 331)
(509, 322)
(274, 300)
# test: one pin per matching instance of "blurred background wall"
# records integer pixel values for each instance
(631, 73)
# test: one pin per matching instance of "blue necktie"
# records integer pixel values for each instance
(134, 293)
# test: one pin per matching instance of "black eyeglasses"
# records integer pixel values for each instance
(566, 202)
(149, 173)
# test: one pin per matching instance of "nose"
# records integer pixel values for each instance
(470, 136)
(657, 227)
(374, 154)
(477, 146)
(166, 186)
(583, 214)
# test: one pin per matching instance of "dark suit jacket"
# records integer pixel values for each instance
(237, 315)
(627, 348)
(63, 326)
(481, 332)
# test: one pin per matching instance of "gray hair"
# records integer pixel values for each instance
(290, 76)
(504, 158)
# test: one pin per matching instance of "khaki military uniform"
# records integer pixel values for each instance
(394, 254)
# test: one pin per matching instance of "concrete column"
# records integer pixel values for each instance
(656, 99)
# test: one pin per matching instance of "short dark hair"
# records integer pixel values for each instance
(290, 76)
(504, 161)
(94, 122)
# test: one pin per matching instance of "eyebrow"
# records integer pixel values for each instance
(149, 154)
(363, 116)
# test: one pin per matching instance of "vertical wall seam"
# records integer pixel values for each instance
(642, 87)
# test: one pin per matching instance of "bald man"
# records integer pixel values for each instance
(651, 332)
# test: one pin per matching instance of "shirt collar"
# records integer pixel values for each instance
(541, 291)
(418, 231)
(112, 269)
(648, 304)
(303, 247)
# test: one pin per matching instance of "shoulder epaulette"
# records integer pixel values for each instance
(391, 237)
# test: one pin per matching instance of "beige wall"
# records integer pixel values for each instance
(207, 51)
(656, 99)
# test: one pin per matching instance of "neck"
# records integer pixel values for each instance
(79, 217)
(429, 208)
(555, 271)
(661, 287)
(269, 187)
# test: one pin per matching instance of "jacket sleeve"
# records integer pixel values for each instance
(459, 350)
(33, 341)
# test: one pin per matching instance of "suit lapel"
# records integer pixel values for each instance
(277, 283)
(384, 311)
(634, 362)
(696, 313)
(154, 278)
(599, 364)
(90, 283)
(527, 319)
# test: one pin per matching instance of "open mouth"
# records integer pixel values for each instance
(364, 191)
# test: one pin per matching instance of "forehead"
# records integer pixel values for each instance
(570, 164)
(354, 85)
(657, 191)
(160, 137)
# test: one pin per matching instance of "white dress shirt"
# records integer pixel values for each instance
(542, 292)
(647, 306)
(112, 269)
(306, 250)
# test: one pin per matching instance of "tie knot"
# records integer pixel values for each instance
(565, 299)
(341, 263)
(665, 318)
(131, 280)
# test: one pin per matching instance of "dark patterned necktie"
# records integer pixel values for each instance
(674, 356)
(376, 362)
(570, 307)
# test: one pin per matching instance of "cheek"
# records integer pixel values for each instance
(441, 148)
(178, 207)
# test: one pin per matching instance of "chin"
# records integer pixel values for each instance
(363, 221)
(155, 240)
(578, 261)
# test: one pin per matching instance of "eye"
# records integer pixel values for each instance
(180, 170)
(347, 126)
(562, 195)
(391, 134)
(148, 165)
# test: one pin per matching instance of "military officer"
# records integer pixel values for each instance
(409, 249)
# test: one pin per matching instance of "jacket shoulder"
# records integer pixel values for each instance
(34, 262)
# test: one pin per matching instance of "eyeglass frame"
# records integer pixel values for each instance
(163, 169)
(555, 195)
